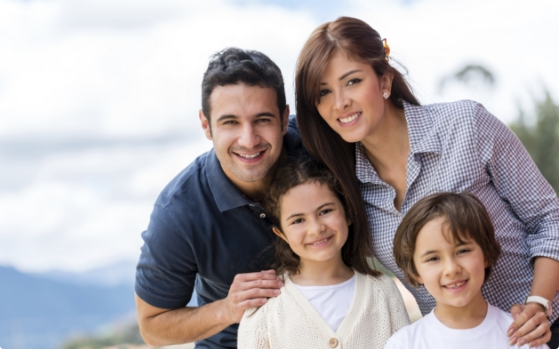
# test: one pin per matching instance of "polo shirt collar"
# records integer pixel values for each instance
(225, 194)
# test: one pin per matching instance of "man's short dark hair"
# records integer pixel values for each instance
(465, 218)
(234, 66)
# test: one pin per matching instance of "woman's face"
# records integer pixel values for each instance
(351, 99)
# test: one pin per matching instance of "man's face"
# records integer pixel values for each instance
(246, 131)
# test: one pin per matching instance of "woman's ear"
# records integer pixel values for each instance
(279, 233)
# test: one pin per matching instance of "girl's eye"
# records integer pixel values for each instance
(297, 221)
(325, 211)
(462, 251)
(432, 259)
(353, 81)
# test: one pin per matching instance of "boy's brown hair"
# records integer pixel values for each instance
(466, 219)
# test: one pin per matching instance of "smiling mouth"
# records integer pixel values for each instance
(349, 118)
(249, 156)
(455, 285)
(320, 242)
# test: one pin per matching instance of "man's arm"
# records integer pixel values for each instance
(160, 326)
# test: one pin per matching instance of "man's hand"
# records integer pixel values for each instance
(250, 291)
(530, 325)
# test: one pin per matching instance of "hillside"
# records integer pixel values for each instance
(37, 312)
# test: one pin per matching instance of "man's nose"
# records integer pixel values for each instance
(248, 137)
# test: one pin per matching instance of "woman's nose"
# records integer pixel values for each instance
(341, 102)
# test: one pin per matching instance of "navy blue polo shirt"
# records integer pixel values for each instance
(203, 232)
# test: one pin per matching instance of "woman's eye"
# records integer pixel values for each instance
(323, 92)
(353, 81)
(325, 211)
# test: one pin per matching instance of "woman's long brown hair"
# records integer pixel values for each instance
(361, 43)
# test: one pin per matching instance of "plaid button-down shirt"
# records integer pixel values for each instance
(457, 147)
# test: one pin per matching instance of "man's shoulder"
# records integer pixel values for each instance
(191, 178)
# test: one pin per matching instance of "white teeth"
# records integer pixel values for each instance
(455, 285)
(249, 157)
(319, 242)
(349, 118)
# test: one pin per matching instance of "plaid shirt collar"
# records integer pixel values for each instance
(422, 135)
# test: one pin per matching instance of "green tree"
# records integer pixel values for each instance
(542, 138)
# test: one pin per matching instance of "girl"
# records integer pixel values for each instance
(358, 116)
(332, 297)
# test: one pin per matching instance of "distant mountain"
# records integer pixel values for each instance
(37, 312)
(121, 273)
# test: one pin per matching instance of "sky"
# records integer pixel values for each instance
(99, 99)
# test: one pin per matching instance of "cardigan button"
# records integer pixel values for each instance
(333, 343)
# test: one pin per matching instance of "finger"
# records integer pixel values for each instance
(536, 334)
(265, 275)
(254, 293)
(532, 324)
(265, 284)
(520, 319)
(515, 310)
(541, 341)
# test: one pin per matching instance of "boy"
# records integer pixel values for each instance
(446, 243)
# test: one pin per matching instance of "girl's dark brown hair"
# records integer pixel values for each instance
(465, 219)
(361, 43)
(304, 170)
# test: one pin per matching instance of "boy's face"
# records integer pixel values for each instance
(452, 273)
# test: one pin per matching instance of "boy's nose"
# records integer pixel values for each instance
(451, 267)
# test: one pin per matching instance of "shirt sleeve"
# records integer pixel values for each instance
(252, 330)
(518, 182)
(166, 271)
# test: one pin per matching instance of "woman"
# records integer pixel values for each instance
(357, 114)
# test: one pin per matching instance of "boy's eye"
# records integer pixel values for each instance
(432, 259)
(353, 81)
(462, 251)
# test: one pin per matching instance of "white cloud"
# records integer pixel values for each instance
(131, 69)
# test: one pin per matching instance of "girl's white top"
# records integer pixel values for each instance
(290, 320)
(332, 302)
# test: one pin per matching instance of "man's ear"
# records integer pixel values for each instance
(205, 124)
(285, 119)
(279, 233)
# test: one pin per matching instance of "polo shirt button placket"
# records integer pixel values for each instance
(333, 342)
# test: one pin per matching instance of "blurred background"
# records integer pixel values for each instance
(99, 108)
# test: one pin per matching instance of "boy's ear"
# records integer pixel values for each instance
(279, 233)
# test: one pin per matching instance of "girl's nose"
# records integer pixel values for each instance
(451, 267)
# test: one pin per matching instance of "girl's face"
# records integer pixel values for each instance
(314, 223)
(452, 273)
(351, 99)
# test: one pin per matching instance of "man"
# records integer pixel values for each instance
(208, 231)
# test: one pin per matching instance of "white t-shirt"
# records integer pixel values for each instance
(430, 333)
(331, 302)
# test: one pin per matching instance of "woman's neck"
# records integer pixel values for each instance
(460, 318)
(389, 140)
(322, 273)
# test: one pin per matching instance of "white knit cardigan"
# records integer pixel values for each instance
(290, 321)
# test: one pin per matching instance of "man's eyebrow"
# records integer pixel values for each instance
(225, 117)
(344, 75)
